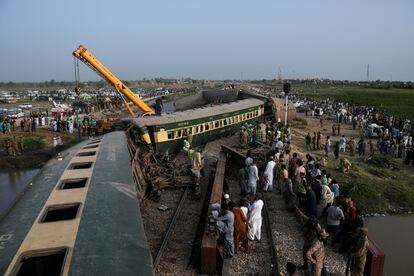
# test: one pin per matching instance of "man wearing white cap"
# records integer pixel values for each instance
(226, 198)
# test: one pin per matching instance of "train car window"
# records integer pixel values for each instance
(256, 113)
(231, 120)
(190, 130)
(224, 122)
(201, 128)
(207, 127)
(60, 212)
(170, 134)
(86, 153)
(80, 165)
(196, 129)
(91, 147)
(216, 124)
(46, 262)
(178, 133)
(73, 183)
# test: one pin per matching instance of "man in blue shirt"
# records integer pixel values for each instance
(225, 224)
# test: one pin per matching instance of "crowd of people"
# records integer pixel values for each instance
(14, 143)
(84, 126)
(308, 189)
(394, 135)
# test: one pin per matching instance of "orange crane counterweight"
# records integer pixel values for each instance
(90, 60)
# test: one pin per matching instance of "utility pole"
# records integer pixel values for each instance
(367, 72)
(286, 89)
(279, 74)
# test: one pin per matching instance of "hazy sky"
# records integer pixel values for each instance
(210, 39)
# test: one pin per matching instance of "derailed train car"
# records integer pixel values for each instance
(165, 134)
(79, 216)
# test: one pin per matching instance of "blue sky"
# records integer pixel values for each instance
(211, 39)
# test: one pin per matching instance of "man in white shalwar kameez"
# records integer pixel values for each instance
(253, 177)
(342, 143)
(327, 197)
(70, 124)
(268, 175)
(255, 219)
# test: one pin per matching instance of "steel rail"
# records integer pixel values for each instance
(170, 228)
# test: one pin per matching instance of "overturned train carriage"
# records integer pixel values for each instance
(166, 133)
(79, 216)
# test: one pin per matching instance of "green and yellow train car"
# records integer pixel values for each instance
(166, 133)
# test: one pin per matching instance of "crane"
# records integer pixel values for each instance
(91, 61)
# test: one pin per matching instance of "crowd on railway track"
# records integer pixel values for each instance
(331, 218)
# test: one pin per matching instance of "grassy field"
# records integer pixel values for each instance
(380, 185)
(378, 188)
(399, 102)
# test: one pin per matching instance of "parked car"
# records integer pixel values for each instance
(25, 105)
(15, 113)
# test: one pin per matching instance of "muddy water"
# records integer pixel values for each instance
(12, 183)
(395, 236)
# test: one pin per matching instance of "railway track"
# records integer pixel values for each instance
(170, 228)
(175, 253)
(157, 222)
(262, 258)
(180, 249)
(269, 232)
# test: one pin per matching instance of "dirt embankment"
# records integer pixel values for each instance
(37, 148)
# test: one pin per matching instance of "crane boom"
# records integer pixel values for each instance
(90, 60)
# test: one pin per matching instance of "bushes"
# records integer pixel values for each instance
(33, 143)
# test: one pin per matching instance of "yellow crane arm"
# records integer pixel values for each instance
(90, 60)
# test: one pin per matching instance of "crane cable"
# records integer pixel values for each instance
(77, 80)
